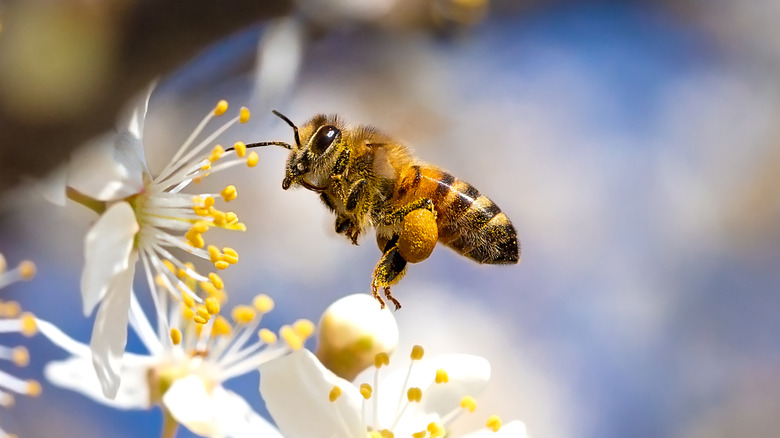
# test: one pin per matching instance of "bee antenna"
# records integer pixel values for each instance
(265, 143)
(292, 125)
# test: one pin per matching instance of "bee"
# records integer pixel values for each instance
(370, 180)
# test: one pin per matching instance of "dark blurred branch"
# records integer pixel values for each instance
(146, 39)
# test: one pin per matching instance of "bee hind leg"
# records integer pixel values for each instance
(390, 269)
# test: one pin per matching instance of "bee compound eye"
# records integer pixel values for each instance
(323, 138)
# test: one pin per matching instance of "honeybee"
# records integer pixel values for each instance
(369, 180)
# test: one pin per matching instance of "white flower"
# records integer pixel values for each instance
(142, 217)
(416, 402)
(186, 366)
(13, 320)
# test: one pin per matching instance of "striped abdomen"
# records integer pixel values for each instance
(468, 222)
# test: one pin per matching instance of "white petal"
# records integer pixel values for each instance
(513, 429)
(220, 413)
(296, 389)
(468, 375)
(107, 248)
(133, 116)
(53, 186)
(78, 374)
(109, 335)
(107, 168)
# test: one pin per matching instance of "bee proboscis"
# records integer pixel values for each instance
(369, 180)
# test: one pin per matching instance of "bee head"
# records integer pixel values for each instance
(319, 134)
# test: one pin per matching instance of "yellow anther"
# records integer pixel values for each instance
(219, 218)
(229, 193)
(199, 227)
(169, 264)
(27, 269)
(222, 106)
(414, 394)
(159, 280)
(187, 313)
(267, 336)
(221, 326)
(436, 430)
(230, 252)
(384, 433)
(201, 211)
(252, 159)
(335, 393)
(188, 300)
(198, 179)
(244, 115)
(493, 423)
(175, 336)
(468, 402)
(214, 254)
(263, 303)
(374, 434)
(291, 338)
(304, 328)
(212, 305)
(198, 330)
(203, 312)
(240, 148)
(243, 314)
(7, 400)
(209, 201)
(420, 434)
(417, 352)
(231, 218)
(200, 320)
(29, 326)
(216, 281)
(33, 388)
(20, 356)
(221, 265)
(196, 240)
(206, 166)
(11, 309)
(366, 390)
(230, 258)
(239, 226)
(381, 359)
(216, 153)
(442, 376)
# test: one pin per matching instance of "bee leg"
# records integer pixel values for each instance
(390, 269)
(341, 165)
(356, 194)
(399, 214)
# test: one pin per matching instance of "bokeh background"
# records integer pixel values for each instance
(633, 144)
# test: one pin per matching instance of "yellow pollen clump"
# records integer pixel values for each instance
(442, 376)
(414, 394)
(263, 303)
(240, 148)
(229, 193)
(221, 107)
(216, 153)
(230, 255)
(303, 328)
(221, 265)
(27, 269)
(243, 314)
(221, 326)
(244, 115)
(175, 336)
(417, 352)
(20, 356)
(216, 281)
(366, 390)
(33, 388)
(436, 430)
(468, 402)
(381, 359)
(29, 326)
(267, 336)
(291, 337)
(418, 236)
(335, 393)
(200, 320)
(493, 423)
(212, 305)
(214, 254)
(252, 159)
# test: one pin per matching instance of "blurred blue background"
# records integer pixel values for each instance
(634, 147)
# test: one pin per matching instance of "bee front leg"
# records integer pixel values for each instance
(390, 269)
(341, 165)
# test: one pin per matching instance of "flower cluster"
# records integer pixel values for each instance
(194, 344)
